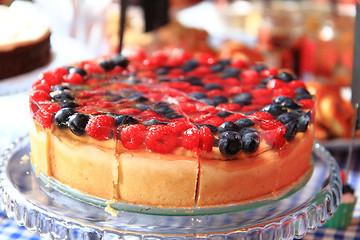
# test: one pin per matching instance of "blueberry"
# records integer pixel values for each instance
(212, 128)
(77, 123)
(161, 80)
(62, 116)
(213, 86)
(68, 104)
(220, 99)
(225, 61)
(142, 107)
(59, 96)
(197, 95)
(291, 130)
(301, 90)
(287, 117)
(286, 102)
(247, 130)
(274, 109)
(168, 112)
(124, 119)
(162, 71)
(251, 142)
(304, 121)
(133, 81)
(279, 100)
(59, 88)
(78, 70)
(137, 97)
(208, 101)
(107, 65)
(286, 77)
(228, 126)
(195, 81)
(242, 99)
(190, 65)
(230, 143)
(217, 67)
(153, 122)
(230, 72)
(244, 122)
(302, 96)
(259, 67)
(223, 114)
(120, 60)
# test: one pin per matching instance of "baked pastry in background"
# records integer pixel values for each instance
(334, 114)
(24, 40)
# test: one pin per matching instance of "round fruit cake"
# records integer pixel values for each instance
(171, 129)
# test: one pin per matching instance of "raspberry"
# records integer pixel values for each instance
(75, 79)
(206, 139)
(201, 71)
(239, 63)
(214, 120)
(271, 124)
(275, 84)
(250, 76)
(191, 139)
(232, 107)
(233, 117)
(207, 59)
(231, 82)
(137, 55)
(179, 126)
(39, 96)
(43, 116)
(93, 68)
(275, 137)
(49, 78)
(306, 103)
(100, 127)
(215, 92)
(129, 111)
(175, 73)
(60, 72)
(44, 86)
(161, 139)
(284, 91)
(297, 84)
(269, 72)
(133, 136)
(262, 116)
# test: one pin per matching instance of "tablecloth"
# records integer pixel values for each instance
(14, 125)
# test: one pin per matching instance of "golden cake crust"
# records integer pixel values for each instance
(166, 180)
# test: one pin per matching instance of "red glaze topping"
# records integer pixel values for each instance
(163, 102)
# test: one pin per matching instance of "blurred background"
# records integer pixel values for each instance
(312, 38)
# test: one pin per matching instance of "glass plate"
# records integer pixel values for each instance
(39, 207)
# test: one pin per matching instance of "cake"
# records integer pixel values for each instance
(24, 40)
(172, 130)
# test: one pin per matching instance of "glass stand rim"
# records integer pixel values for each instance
(50, 213)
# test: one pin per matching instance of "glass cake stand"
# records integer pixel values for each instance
(64, 214)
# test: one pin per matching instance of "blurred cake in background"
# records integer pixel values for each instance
(24, 40)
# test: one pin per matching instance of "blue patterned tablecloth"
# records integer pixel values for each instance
(9, 230)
